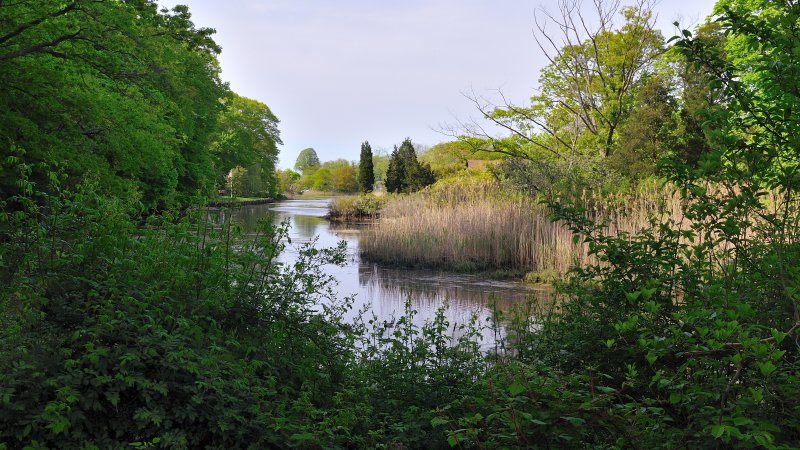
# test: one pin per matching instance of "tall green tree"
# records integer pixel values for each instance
(344, 176)
(650, 132)
(286, 180)
(405, 173)
(395, 172)
(247, 135)
(366, 172)
(588, 88)
(117, 91)
(307, 161)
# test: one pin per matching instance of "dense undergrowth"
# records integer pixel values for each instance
(177, 334)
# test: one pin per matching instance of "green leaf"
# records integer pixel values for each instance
(778, 336)
(438, 421)
(516, 388)
(451, 439)
(717, 431)
(766, 368)
(577, 421)
(740, 421)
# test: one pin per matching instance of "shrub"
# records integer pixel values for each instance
(365, 207)
(163, 335)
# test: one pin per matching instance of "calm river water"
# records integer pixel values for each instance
(384, 289)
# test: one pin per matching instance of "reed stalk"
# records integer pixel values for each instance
(474, 225)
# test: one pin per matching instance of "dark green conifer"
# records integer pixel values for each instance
(395, 173)
(366, 173)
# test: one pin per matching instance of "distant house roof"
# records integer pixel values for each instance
(480, 164)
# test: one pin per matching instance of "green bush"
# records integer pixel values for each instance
(365, 207)
(117, 335)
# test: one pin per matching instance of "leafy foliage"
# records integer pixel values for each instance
(247, 136)
(162, 335)
(114, 89)
(172, 331)
(307, 161)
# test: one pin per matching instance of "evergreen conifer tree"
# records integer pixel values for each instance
(366, 173)
(395, 173)
(405, 173)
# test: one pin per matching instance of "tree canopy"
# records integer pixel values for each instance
(247, 135)
(307, 161)
(405, 173)
(119, 91)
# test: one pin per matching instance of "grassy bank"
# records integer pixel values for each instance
(239, 201)
(470, 225)
(312, 195)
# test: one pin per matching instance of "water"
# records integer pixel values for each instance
(385, 290)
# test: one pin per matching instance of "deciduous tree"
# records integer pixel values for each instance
(307, 161)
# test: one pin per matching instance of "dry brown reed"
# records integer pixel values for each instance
(473, 225)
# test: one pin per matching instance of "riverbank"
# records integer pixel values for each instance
(239, 201)
(364, 208)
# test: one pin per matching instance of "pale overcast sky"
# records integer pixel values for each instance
(337, 73)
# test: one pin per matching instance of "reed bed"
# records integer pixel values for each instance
(473, 225)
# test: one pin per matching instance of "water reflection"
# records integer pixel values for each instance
(382, 289)
(306, 226)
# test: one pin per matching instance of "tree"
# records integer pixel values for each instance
(592, 81)
(286, 180)
(344, 177)
(137, 100)
(586, 91)
(380, 163)
(321, 179)
(366, 173)
(395, 173)
(405, 173)
(236, 181)
(307, 161)
(649, 134)
(452, 157)
(700, 103)
(247, 135)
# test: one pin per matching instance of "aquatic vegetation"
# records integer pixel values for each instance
(360, 208)
(472, 224)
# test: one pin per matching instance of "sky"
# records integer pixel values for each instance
(337, 73)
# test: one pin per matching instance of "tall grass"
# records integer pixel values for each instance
(471, 224)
